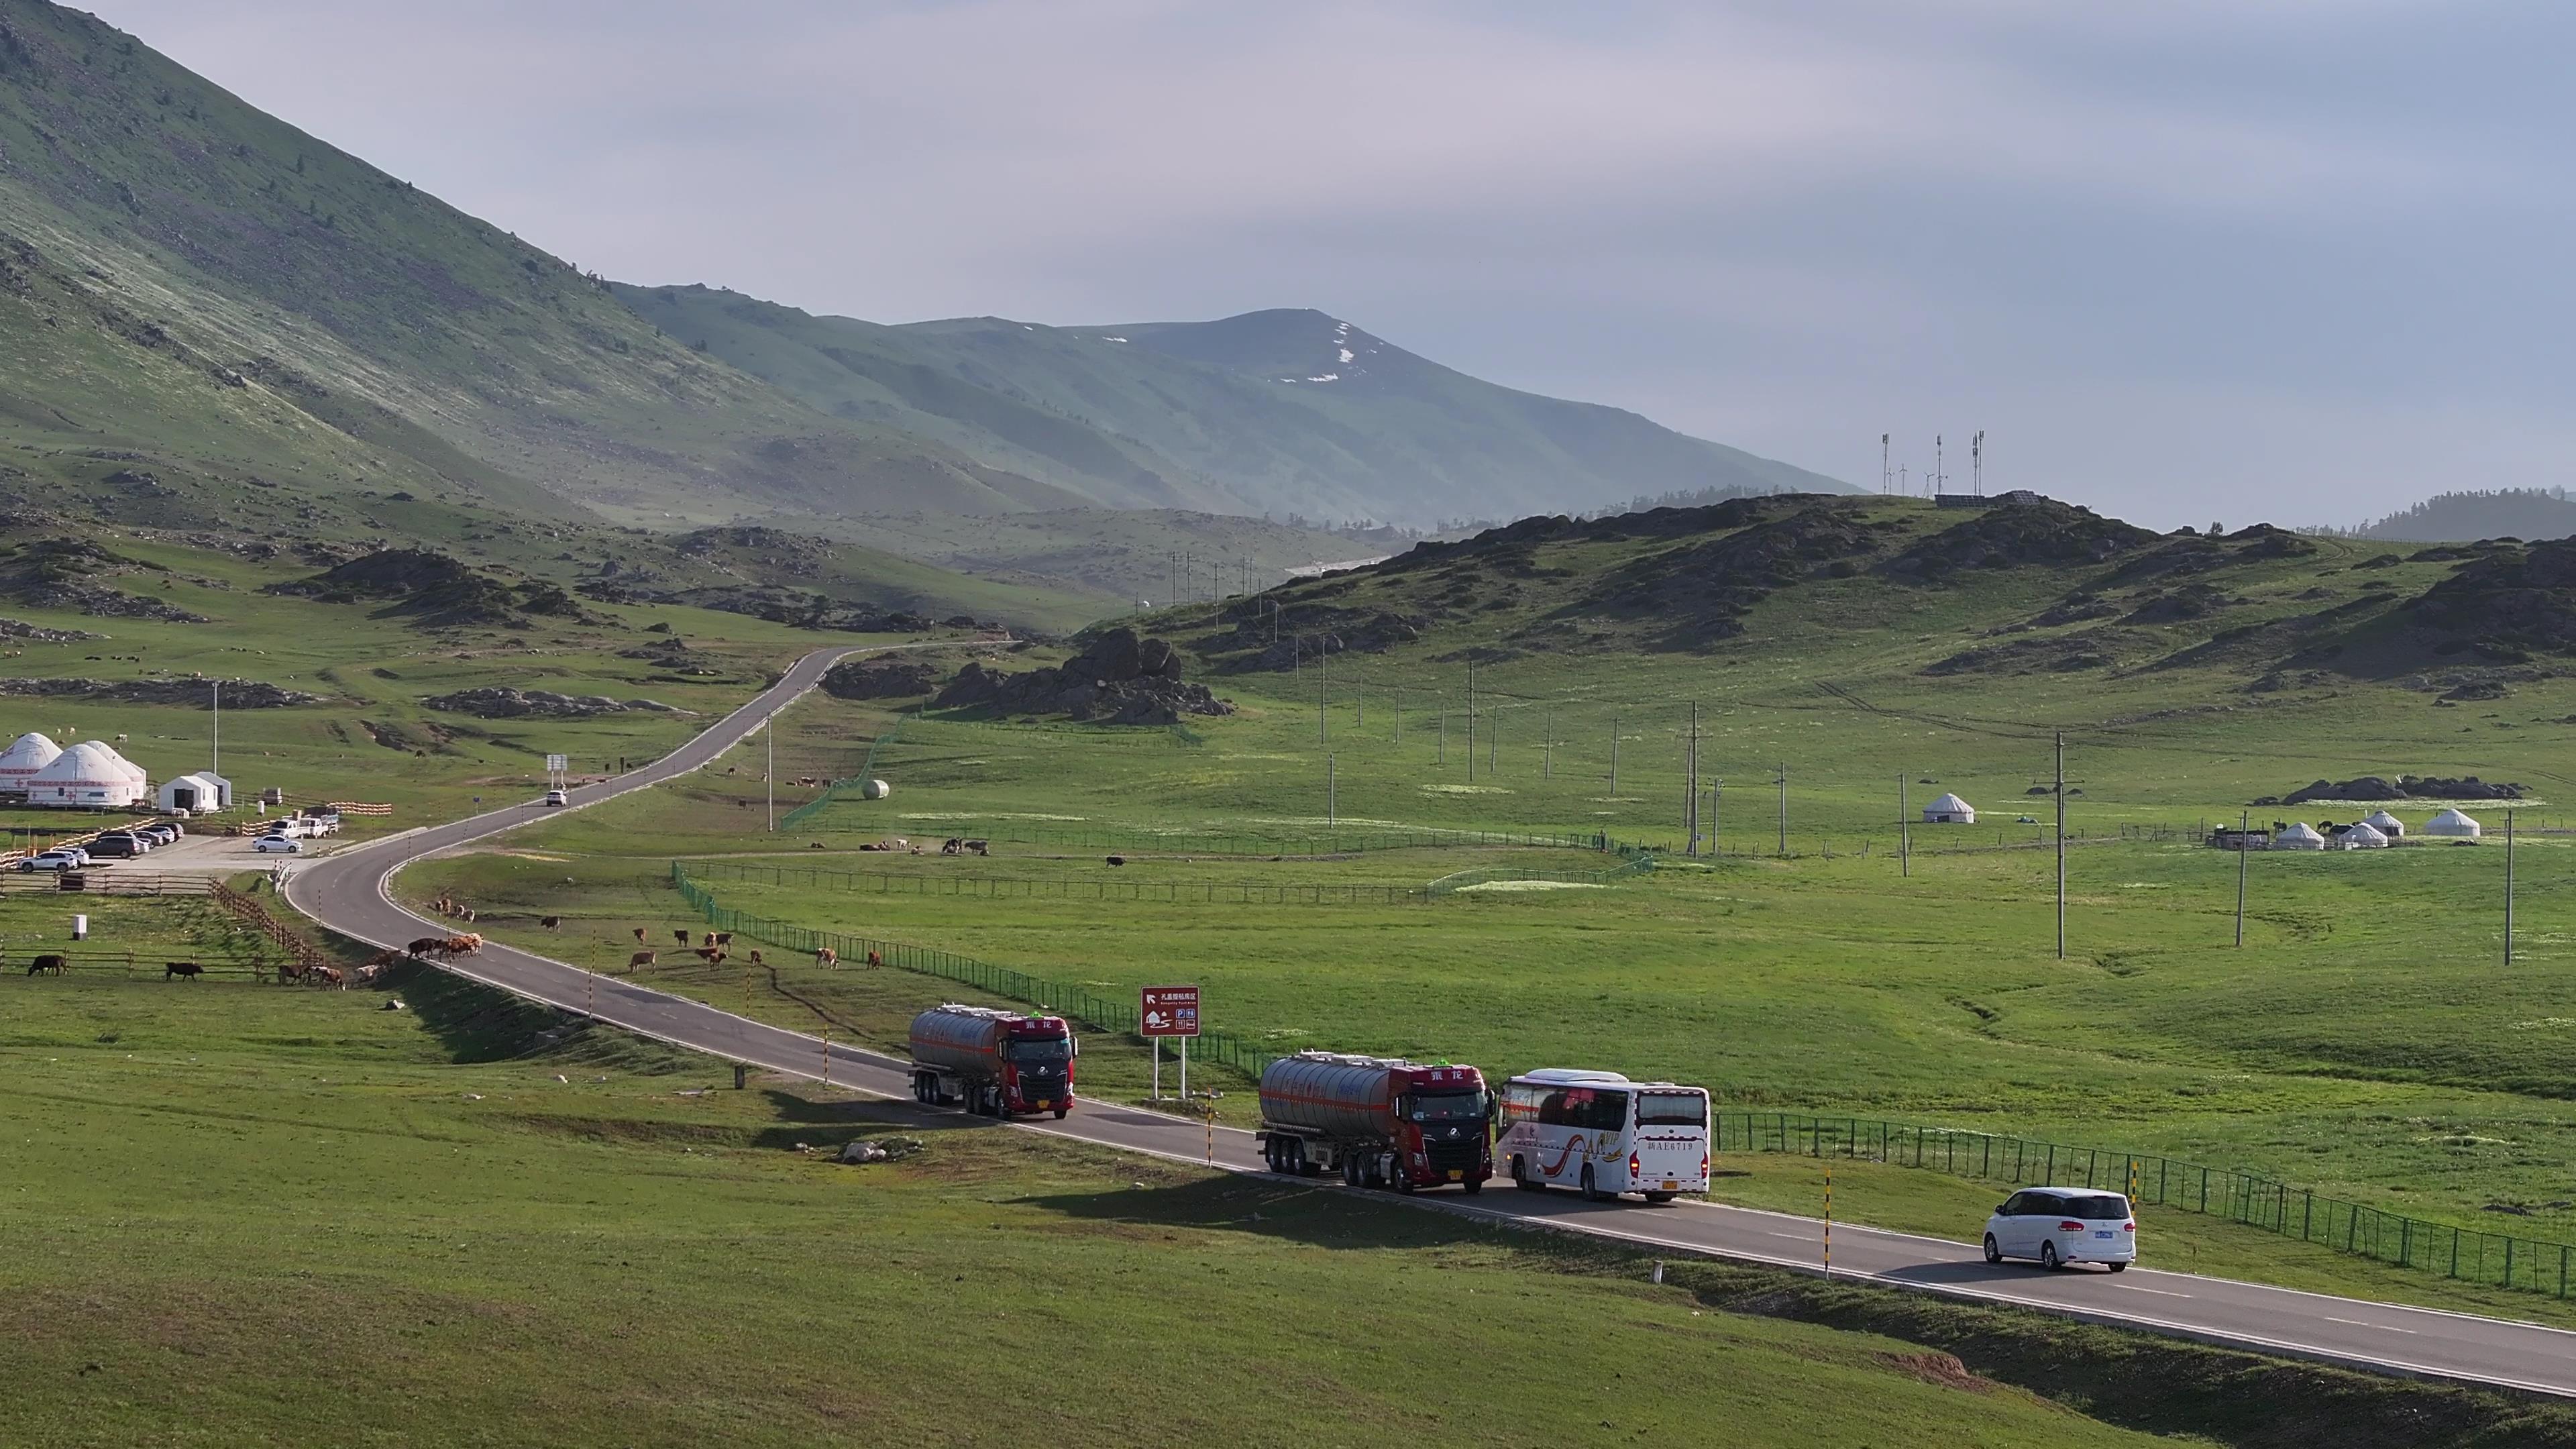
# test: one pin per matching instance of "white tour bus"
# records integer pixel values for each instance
(1602, 1133)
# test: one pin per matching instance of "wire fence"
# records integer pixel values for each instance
(2469, 1254)
(867, 771)
(1329, 841)
(1102, 888)
(1101, 1012)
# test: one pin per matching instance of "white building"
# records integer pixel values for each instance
(90, 775)
(2360, 836)
(197, 794)
(28, 754)
(1949, 810)
(2386, 824)
(2453, 825)
(2300, 836)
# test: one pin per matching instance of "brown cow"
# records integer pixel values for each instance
(712, 955)
(47, 965)
(711, 938)
(640, 960)
(826, 956)
(184, 970)
(724, 938)
(464, 945)
(875, 961)
(680, 936)
(639, 935)
(755, 957)
(328, 978)
(289, 972)
(425, 945)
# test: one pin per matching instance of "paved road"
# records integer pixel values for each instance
(346, 891)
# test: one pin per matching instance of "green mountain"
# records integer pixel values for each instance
(187, 279)
(2526, 513)
(1278, 412)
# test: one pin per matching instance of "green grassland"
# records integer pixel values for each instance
(267, 1214)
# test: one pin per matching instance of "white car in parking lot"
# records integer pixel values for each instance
(50, 860)
(278, 844)
(2060, 1225)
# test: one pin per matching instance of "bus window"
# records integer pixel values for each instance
(1672, 1109)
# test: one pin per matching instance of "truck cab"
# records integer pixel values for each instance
(1037, 1067)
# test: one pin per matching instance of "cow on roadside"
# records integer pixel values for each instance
(48, 965)
(425, 945)
(181, 970)
(640, 960)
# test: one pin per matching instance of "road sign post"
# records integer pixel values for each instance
(1169, 1011)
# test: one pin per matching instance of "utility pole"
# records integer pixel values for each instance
(1716, 801)
(1547, 752)
(1324, 697)
(2061, 845)
(1784, 811)
(1904, 831)
(2244, 823)
(1444, 739)
(1329, 805)
(2508, 888)
(769, 773)
(1690, 785)
(1176, 577)
(1359, 699)
(1471, 721)
(1399, 714)
(218, 765)
(1614, 759)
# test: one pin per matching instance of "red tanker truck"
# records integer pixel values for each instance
(1378, 1121)
(999, 1063)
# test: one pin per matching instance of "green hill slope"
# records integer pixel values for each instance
(1282, 412)
(189, 276)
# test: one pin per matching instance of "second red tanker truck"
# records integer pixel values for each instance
(999, 1063)
(1378, 1121)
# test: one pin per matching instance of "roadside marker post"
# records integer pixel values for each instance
(1829, 1223)
(827, 1056)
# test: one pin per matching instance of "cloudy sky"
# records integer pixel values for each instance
(2184, 259)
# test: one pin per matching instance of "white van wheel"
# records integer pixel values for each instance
(1994, 1254)
(2048, 1257)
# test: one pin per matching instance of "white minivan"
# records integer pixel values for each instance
(2062, 1225)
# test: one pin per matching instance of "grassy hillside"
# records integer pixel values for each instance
(1280, 412)
(189, 279)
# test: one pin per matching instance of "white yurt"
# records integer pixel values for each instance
(90, 775)
(2360, 836)
(2300, 836)
(1949, 810)
(28, 754)
(2386, 824)
(2453, 825)
(196, 794)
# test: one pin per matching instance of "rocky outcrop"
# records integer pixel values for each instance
(37, 634)
(497, 702)
(2404, 787)
(879, 679)
(434, 589)
(238, 693)
(1117, 679)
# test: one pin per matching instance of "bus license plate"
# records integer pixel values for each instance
(1457, 1174)
(1671, 1186)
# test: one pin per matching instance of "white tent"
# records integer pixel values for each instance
(195, 794)
(2360, 836)
(30, 753)
(1949, 810)
(89, 776)
(2452, 825)
(2385, 823)
(2300, 836)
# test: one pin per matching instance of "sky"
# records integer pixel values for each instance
(2188, 261)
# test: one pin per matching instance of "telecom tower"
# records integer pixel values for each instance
(1886, 479)
(1977, 462)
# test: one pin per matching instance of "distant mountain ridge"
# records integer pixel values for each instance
(1280, 411)
(2524, 513)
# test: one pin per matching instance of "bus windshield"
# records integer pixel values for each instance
(1672, 1109)
(1448, 1106)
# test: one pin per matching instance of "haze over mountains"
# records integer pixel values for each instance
(202, 295)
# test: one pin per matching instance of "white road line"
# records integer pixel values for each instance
(2358, 1323)
(2159, 1292)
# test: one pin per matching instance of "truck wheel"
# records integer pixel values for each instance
(1351, 1172)
(1591, 1193)
(1298, 1162)
(1472, 1186)
(1060, 1111)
